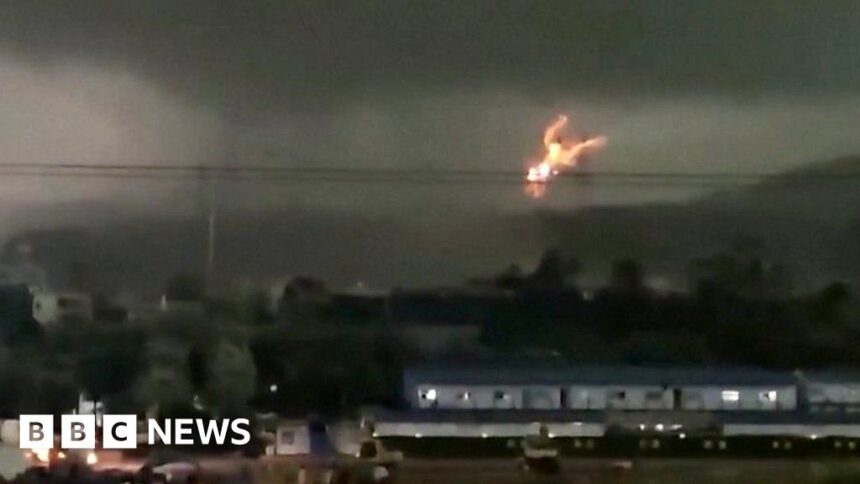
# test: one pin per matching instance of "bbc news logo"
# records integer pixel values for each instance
(120, 431)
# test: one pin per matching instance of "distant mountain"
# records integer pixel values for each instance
(340, 247)
(808, 218)
(828, 190)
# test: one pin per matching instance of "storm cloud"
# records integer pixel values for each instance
(677, 86)
(256, 57)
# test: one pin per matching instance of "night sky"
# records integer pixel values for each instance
(680, 86)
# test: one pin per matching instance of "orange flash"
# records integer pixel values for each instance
(559, 155)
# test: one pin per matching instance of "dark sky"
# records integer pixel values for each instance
(691, 86)
(267, 57)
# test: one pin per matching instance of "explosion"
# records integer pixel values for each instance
(559, 155)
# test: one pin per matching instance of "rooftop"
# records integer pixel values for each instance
(563, 373)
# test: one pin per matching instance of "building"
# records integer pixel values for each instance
(836, 391)
(598, 388)
(487, 408)
(292, 438)
(54, 307)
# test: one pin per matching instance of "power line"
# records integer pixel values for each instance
(287, 174)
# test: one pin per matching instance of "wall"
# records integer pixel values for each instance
(484, 430)
(609, 397)
(479, 397)
(820, 393)
(749, 398)
(619, 397)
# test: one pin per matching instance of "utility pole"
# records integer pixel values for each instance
(208, 207)
(210, 249)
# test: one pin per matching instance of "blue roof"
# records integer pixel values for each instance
(561, 374)
(838, 375)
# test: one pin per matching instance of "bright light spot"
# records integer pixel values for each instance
(92, 458)
(539, 173)
(551, 435)
(484, 435)
(682, 435)
(658, 427)
(42, 454)
(813, 436)
(418, 436)
(273, 388)
(731, 395)
(429, 394)
(559, 155)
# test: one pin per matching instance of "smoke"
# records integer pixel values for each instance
(63, 112)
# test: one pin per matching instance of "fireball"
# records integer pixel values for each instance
(558, 155)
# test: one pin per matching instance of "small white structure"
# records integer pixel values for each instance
(293, 438)
(54, 307)
(9, 432)
(346, 436)
(12, 459)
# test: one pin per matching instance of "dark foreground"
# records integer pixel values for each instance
(657, 471)
(506, 471)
